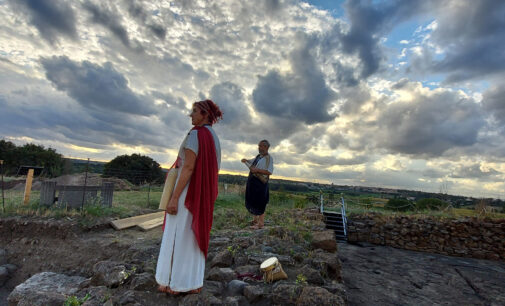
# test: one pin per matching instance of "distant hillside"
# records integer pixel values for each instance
(79, 165)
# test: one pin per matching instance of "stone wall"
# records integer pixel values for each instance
(465, 237)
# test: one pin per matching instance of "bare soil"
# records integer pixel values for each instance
(63, 246)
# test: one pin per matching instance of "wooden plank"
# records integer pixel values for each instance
(28, 187)
(148, 225)
(132, 221)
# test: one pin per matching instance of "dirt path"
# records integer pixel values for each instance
(378, 275)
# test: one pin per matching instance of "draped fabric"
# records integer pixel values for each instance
(256, 195)
(203, 189)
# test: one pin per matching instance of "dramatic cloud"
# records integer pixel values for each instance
(471, 34)
(494, 103)
(400, 94)
(51, 17)
(99, 87)
(429, 124)
(369, 21)
(137, 11)
(300, 95)
(104, 15)
(474, 171)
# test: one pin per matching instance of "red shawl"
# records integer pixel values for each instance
(202, 190)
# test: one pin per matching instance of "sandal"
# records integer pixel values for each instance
(255, 227)
(195, 291)
(167, 290)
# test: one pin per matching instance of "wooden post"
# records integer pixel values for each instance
(28, 186)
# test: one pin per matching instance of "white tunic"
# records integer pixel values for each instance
(181, 263)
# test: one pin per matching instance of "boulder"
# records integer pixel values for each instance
(234, 301)
(222, 259)
(200, 299)
(213, 287)
(324, 240)
(318, 296)
(97, 296)
(143, 281)
(235, 287)
(328, 264)
(221, 274)
(110, 273)
(46, 288)
(253, 293)
(313, 276)
(286, 294)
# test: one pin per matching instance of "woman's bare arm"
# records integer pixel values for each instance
(186, 172)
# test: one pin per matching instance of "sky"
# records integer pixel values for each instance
(394, 94)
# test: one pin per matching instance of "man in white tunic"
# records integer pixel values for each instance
(181, 263)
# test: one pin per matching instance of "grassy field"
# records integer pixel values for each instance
(229, 206)
(370, 204)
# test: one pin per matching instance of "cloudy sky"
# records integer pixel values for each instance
(402, 94)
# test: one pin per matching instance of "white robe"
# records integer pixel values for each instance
(181, 263)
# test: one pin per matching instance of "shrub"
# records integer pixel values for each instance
(398, 204)
(431, 203)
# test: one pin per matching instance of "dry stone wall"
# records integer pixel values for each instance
(465, 237)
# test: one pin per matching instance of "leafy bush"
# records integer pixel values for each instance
(398, 204)
(136, 168)
(431, 203)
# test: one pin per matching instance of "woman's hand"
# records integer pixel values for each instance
(243, 160)
(253, 169)
(172, 206)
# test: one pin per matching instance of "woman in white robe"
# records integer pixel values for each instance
(181, 262)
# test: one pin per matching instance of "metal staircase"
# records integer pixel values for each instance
(335, 220)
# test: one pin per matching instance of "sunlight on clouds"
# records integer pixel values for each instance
(82, 149)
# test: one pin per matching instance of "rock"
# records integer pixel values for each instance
(235, 287)
(143, 281)
(213, 287)
(109, 273)
(338, 289)
(328, 264)
(221, 274)
(234, 301)
(4, 275)
(222, 259)
(313, 276)
(12, 268)
(126, 298)
(285, 294)
(318, 296)
(324, 240)
(267, 249)
(248, 269)
(240, 260)
(3, 257)
(200, 299)
(98, 295)
(253, 293)
(219, 241)
(46, 288)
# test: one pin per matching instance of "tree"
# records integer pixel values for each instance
(30, 155)
(135, 168)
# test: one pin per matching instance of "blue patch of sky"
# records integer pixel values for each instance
(334, 7)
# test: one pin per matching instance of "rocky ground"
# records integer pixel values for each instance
(378, 275)
(48, 261)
